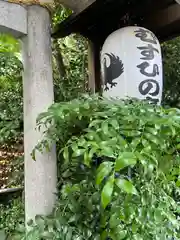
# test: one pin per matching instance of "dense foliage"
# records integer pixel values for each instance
(11, 215)
(70, 79)
(11, 106)
(11, 116)
(171, 61)
(119, 171)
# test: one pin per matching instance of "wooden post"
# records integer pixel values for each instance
(91, 68)
(94, 67)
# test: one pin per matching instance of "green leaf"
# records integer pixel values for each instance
(33, 234)
(33, 154)
(152, 138)
(135, 228)
(125, 159)
(39, 221)
(108, 152)
(115, 124)
(95, 122)
(121, 235)
(66, 154)
(152, 130)
(178, 183)
(126, 186)
(137, 237)
(74, 146)
(87, 159)
(114, 220)
(69, 235)
(107, 192)
(21, 228)
(135, 142)
(172, 218)
(81, 142)
(103, 171)
(104, 235)
(47, 235)
(178, 146)
(158, 215)
(105, 127)
(78, 152)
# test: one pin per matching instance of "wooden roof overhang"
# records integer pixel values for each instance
(103, 17)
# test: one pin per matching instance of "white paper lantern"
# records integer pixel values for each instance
(131, 65)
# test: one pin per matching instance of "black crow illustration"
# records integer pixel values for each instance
(115, 69)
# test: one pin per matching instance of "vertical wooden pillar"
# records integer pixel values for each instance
(91, 69)
(94, 67)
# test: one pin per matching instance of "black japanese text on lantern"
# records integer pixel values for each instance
(150, 86)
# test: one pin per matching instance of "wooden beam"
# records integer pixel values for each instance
(164, 17)
(94, 67)
(76, 5)
(164, 23)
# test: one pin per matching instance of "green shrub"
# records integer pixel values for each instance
(10, 215)
(16, 176)
(119, 171)
(11, 116)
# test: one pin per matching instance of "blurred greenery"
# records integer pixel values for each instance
(171, 63)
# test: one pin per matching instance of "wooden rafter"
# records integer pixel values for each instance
(76, 5)
(165, 23)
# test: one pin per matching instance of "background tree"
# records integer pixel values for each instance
(70, 80)
(171, 64)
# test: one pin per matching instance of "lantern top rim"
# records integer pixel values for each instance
(103, 17)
